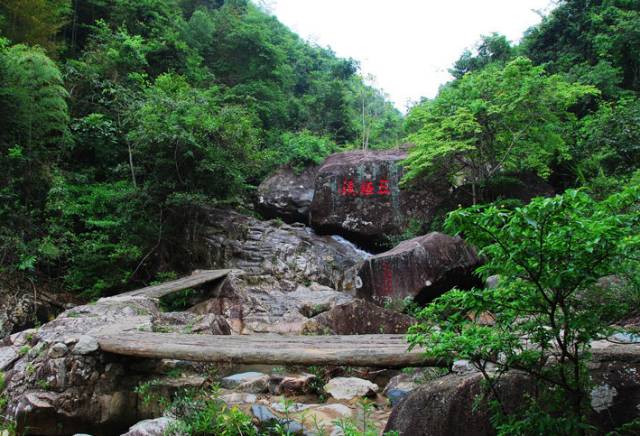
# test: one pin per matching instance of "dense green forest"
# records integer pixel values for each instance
(119, 117)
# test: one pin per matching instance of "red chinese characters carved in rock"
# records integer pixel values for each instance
(366, 189)
(348, 187)
(383, 187)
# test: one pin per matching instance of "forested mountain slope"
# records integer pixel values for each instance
(119, 116)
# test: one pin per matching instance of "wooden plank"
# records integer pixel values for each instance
(387, 351)
(198, 278)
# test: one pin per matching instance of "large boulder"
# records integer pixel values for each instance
(358, 195)
(448, 405)
(359, 317)
(422, 268)
(287, 194)
(62, 384)
(445, 407)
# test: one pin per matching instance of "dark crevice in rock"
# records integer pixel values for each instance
(459, 278)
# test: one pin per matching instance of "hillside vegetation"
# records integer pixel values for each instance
(120, 116)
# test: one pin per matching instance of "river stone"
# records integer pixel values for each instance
(85, 345)
(297, 384)
(151, 427)
(263, 413)
(325, 417)
(250, 382)
(358, 195)
(422, 268)
(266, 418)
(348, 388)
(287, 195)
(400, 386)
(290, 408)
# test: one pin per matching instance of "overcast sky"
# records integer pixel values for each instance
(408, 45)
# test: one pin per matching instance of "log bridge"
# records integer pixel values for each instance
(386, 351)
(196, 279)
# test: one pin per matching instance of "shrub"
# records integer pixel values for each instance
(549, 254)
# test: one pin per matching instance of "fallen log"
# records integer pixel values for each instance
(198, 278)
(386, 351)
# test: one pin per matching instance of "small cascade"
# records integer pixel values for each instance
(342, 241)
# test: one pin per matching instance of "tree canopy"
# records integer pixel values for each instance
(507, 118)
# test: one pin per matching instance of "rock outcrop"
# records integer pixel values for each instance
(253, 304)
(444, 407)
(422, 268)
(358, 195)
(58, 382)
(290, 254)
(359, 317)
(287, 195)
(285, 274)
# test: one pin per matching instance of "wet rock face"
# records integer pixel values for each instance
(422, 268)
(285, 273)
(358, 195)
(287, 195)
